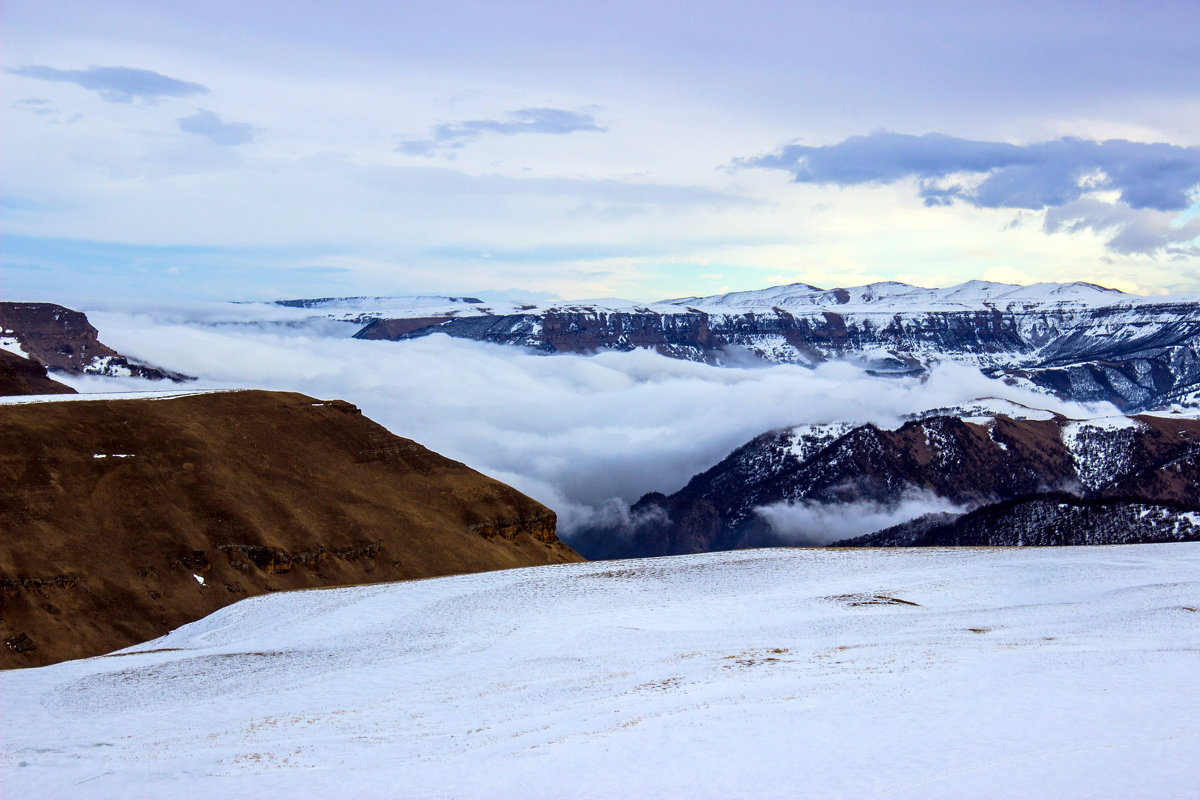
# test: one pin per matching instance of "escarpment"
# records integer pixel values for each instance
(124, 519)
(64, 340)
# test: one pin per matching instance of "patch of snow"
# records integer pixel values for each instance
(25, 399)
(985, 409)
(199, 579)
(1188, 407)
(12, 344)
(991, 430)
(1113, 423)
(110, 366)
(808, 440)
(888, 296)
(1100, 448)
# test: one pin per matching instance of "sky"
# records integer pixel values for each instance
(641, 150)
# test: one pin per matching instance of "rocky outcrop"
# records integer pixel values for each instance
(944, 460)
(124, 519)
(20, 375)
(540, 526)
(64, 340)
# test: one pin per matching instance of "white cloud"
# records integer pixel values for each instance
(823, 523)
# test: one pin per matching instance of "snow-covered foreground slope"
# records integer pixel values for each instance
(802, 673)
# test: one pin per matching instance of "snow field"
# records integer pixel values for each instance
(772, 673)
(25, 399)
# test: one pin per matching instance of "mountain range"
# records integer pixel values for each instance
(814, 484)
(1078, 340)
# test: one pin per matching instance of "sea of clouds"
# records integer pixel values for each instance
(586, 435)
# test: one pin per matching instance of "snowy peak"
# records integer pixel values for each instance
(893, 296)
(889, 296)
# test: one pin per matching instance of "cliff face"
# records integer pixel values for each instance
(962, 463)
(1136, 356)
(62, 339)
(124, 519)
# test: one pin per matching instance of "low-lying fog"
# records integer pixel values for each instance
(586, 435)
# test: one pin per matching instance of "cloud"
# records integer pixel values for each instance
(453, 135)
(1132, 231)
(115, 84)
(587, 435)
(824, 523)
(211, 127)
(35, 105)
(1042, 176)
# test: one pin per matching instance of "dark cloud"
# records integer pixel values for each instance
(211, 127)
(115, 84)
(1034, 176)
(452, 135)
(1055, 176)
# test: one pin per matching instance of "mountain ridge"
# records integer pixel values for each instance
(793, 485)
(1077, 340)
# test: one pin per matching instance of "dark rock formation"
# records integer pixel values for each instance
(1153, 460)
(63, 339)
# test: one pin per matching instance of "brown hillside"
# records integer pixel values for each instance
(108, 509)
(19, 375)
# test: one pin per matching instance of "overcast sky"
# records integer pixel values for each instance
(233, 150)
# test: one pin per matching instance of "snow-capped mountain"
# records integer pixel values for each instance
(1078, 340)
(821, 484)
(892, 295)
